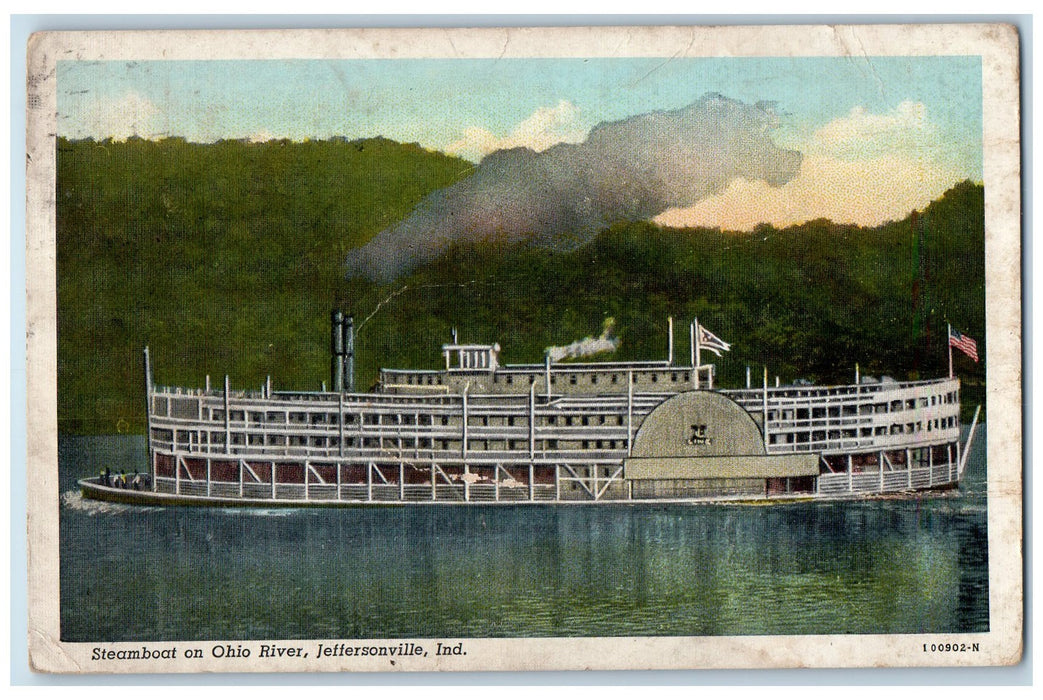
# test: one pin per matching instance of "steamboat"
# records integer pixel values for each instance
(478, 432)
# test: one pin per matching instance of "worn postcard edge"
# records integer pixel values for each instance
(996, 44)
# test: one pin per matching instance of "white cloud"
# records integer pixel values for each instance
(262, 136)
(118, 118)
(539, 131)
(861, 168)
(861, 134)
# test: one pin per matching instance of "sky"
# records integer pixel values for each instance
(879, 136)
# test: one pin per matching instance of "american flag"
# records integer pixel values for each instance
(963, 343)
(708, 341)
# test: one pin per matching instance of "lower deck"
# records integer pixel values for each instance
(348, 481)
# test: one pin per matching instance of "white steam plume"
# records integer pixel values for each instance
(588, 346)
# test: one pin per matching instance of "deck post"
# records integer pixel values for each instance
(207, 476)
(240, 478)
(764, 410)
(496, 483)
(434, 488)
(339, 465)
(532, 486)
(546, 374)
(401, 481)
(307, 468)
(463, 428)
(340, 421)
(630, 411)
(369, 481)
(273, 480)
(532, 420)
(880, 460)
(228, 424)
(850, 474)
(557, 482)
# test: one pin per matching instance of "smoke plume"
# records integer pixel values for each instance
(588, 346)
(629, 170)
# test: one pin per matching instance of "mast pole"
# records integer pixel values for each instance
(691, 341)
(670, 340)
(148, 420)
(948, 343)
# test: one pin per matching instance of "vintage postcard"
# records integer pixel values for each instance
(517, 349)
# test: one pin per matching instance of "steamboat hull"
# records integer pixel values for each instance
(656, 433)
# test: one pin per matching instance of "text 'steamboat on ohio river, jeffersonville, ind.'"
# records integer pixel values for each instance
(478, 432)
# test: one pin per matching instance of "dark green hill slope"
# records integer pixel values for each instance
(809, 301)
(225, 258)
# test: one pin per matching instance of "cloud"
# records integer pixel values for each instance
(627, 170)
(861, 134)
(864, 192)
(539, 131)
(861, 169)
(117, 118)
(262, 136)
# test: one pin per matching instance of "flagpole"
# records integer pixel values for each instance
(670, 340)
(698, 347)
(691, 342)
(948, 343)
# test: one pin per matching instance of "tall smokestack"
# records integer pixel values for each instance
(337, 350)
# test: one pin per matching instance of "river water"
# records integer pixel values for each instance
(883, 566)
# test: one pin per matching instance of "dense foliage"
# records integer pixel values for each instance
(226, 258)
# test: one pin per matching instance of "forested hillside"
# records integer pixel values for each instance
(226, 258)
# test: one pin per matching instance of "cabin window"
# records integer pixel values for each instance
(586, 420)
(593, 379)
(655, 377)
(673, 376)
(572, 379)
(615, 379)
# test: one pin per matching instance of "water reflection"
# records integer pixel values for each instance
(808, 568)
